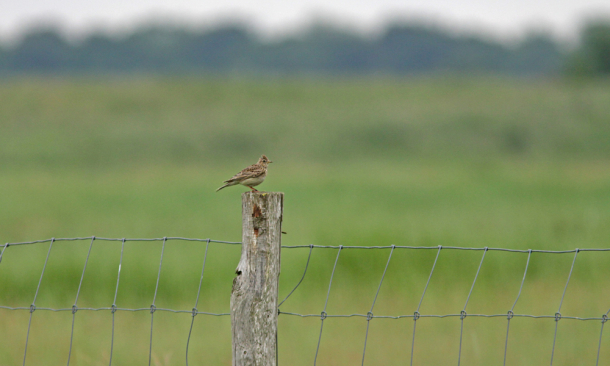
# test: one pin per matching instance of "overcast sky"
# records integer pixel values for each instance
(502, 19)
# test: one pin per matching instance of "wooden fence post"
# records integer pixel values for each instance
(254, 296)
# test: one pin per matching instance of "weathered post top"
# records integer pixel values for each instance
(254, 296)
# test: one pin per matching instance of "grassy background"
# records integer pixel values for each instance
(426, 162)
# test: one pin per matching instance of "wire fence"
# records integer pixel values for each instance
(323, 315)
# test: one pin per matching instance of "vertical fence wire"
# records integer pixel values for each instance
(33, 306)
(599, 347)
(302, 277)
(194, 313)
(153, 308)
(558, 313)
(416, 313)
(323, 314)
(3, 249)
(74, 307)
(510, 313)
(369, 315)
(113, 307)
(463, 312)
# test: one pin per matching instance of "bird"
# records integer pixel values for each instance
(251, 176)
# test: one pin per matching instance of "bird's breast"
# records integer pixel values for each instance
(253, 181)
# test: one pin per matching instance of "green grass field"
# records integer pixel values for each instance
(424, 162)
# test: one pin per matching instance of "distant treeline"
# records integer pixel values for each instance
(400, 49)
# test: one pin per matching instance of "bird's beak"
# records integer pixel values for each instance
(270, 161)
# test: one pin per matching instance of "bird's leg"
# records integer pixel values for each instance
(253, 189)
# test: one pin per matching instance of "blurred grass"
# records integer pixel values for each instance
(92, 122)
(425, 162)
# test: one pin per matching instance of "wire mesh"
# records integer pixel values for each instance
(369, 316)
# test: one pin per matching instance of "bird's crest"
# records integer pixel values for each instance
(264, 161)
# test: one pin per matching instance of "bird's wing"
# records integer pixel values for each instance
(253, 171)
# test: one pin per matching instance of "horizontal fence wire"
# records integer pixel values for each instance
(323, 315)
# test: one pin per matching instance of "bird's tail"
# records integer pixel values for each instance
(224, 186)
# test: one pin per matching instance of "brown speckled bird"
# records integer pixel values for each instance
(251, 176)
